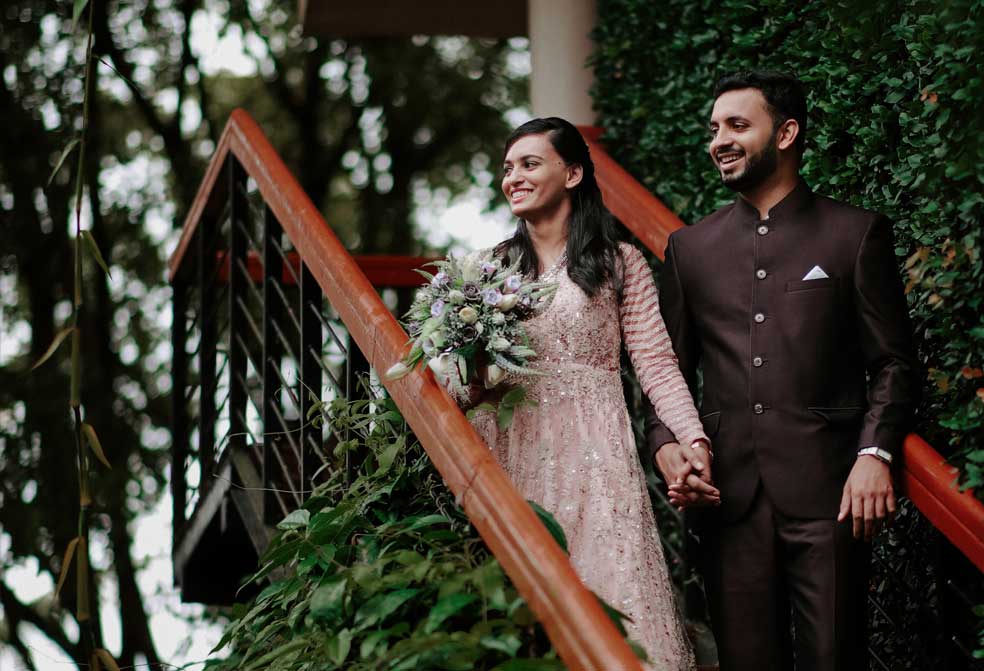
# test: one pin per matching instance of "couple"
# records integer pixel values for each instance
(785, 300)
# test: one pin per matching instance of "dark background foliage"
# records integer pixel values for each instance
(354, 125)
(895, 126)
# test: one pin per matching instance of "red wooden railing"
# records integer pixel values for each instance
(925, 477)
(582, 633)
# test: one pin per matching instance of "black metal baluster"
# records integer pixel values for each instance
(180, 425)
(272, 353)
(309, 391)
(238, 218)
(209, 264)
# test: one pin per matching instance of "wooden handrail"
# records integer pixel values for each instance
(925, 477)
(382, 271)
(580, 630)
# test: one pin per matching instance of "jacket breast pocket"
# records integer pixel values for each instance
(794, 286)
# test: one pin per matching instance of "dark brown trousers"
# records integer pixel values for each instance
(767, 575)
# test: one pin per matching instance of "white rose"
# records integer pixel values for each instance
(493, 376)
(439, 365)
(397, 371)
(456, 297)
(468, 314)
(507, 303)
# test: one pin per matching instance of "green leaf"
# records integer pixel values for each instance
(66, 152)
(386, 457)
(53, 347)
(380, 607)
(93, 440)
(298, 519)
(90, 244)
(531, 665)
(328, 600)
(77, 12)
(552, 525)
(445, 608)
(339, 646)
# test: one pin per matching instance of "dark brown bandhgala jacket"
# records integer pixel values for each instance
(798, 374)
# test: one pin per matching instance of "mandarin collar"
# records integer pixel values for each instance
(800, 197)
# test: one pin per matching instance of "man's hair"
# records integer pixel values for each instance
(784, 94)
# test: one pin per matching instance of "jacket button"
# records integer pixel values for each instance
(763, 230)
(759, 317)
(758, 408)
(757, 362)
(761, 274)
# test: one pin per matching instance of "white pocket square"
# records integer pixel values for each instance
(817, 273)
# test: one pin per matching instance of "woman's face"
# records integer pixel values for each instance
(535, 179)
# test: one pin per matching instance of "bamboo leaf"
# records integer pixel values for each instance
(82, 578)
(66, 562)
(90, 243)
(66, 152)
(53, 347)
(76, 381)
(106, 659)
(77, 12)
(93, 440)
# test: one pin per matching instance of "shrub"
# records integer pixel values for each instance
(384, 572)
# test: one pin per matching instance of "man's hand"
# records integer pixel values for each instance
(687, 471)
(869, 497)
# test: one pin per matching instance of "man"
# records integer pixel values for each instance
(786, 300)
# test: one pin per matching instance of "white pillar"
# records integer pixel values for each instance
(559, 48)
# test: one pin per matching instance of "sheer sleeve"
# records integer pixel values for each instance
(651, 351)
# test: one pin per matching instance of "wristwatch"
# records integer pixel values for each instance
(877, 452)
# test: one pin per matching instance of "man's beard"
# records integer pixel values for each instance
(759, 168)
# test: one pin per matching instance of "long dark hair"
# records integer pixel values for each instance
(592, 241)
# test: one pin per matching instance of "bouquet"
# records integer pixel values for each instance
(467, 324)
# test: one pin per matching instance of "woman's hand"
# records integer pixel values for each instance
(687, 471)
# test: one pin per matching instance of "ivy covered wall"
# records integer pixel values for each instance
(896, 126)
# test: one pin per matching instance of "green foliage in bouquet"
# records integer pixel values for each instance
(383, 572)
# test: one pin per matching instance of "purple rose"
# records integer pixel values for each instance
(512, 285)
(469, 332)
(491, 297)
(440, 279)
(472, 291)
(437, 308)
(488, 269)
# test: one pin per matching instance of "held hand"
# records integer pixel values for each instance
(688, 473)
(869, 498)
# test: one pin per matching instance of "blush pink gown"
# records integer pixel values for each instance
(575, 454)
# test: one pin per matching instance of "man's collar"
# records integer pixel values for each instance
(800, 197)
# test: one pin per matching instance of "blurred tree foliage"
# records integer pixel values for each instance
(895, 126)
(367, 126)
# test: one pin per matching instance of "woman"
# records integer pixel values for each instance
(574, 452)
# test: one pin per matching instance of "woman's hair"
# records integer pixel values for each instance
(592, 241)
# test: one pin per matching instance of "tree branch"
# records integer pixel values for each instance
(18, 612)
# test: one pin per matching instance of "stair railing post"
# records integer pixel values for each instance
(272, 349)
(208, 259)
(238, 219)
(310, 352)
(180, 426)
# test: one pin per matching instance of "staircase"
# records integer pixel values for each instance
(273, 318)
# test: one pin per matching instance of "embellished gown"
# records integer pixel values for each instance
(575, 453)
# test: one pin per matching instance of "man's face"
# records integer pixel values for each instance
(743, 139)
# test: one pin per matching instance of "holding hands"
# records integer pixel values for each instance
(687, 471)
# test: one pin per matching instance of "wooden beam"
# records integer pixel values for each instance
(405, 18)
